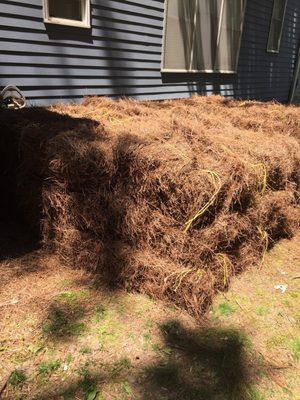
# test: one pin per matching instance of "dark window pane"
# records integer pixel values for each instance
(67, 9)
(274, 35)
(279, 6)
(276, 25)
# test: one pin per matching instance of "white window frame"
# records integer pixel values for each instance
(85, 23)
(282, 25)
(196, 71)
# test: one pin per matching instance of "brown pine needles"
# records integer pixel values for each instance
(166, 198)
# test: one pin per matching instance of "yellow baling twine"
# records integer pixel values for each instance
(179, 276)
(265, 238)
(262, 168)
(226, 264)
(217, 183)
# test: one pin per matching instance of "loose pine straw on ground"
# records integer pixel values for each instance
(166, 198)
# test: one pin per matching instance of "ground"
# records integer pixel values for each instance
(63, 336)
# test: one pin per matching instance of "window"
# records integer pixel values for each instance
(276, 26)
(67, 12)
(202, 35)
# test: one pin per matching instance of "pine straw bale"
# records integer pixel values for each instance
(168, 198)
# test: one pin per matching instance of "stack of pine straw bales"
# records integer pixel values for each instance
(166, 198)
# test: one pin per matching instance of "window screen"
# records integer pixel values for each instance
(276, 25)
(67, 9)
(203, 35)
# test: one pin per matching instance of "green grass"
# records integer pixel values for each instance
(73, 297)
(127, 388)
(99, 314)
(225, 309)
(149, 324)
(17, 378)
(88, 383)
(132, 336)
(162, 350)
(295, 347)
(109, 329)
(142, 357)
(256, 395)
(262, 311)
(64, 320)
(118, 368)
(69, 358)
(147, 337)
(92, 394)
(49, 367)
(85, 350)
(167, 376)
(125, 363)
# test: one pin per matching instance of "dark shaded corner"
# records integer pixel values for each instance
(21, 192)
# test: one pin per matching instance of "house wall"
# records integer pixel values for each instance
(121, 54)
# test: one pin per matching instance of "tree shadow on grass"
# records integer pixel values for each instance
(209, 364)
(202, 364)
(64, 320)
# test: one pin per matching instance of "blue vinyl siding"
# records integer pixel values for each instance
(121, 54)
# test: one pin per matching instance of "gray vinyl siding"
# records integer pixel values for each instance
(121, 54)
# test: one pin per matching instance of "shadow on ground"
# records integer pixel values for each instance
(64, 318)
(20, 251)
(208, 364)
(203, 364)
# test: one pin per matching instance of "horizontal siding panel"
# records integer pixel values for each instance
(150, 4)
(26, 4)
(154, 9)
(113, 81)
(38, 23)
(98, 31)
(105, 91)
(104, 12)
(82, 81)
(121, 54)
(46, 70)
(126, 7)
(43, 39)
(34, 59)
(118, 81)
(77, 51)
(20, 10)
(138, 89)
(144, 5)
(126, 17)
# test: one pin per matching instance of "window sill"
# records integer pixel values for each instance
(187, 71)
(273, 51)
(67, 22)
